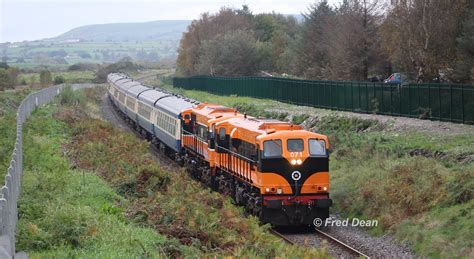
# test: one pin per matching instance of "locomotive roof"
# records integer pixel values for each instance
(213, 110)
(261, 125)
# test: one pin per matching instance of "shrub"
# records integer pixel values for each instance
(45, 77)
(298, 119)
(69, 97)
(59, 80)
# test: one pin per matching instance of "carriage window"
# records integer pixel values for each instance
(295, 145)
(222, 133)
(317, 147)
(272, 148)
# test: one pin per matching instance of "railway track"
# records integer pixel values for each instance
(343, 250)
(348, 248)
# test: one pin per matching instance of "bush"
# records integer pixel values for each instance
(83, 67)
(298, 119)
(124, 65)
(69, 97)
(59, 80)
(45, 77)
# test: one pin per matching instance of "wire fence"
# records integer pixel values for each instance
(10, 192)
(444, 102)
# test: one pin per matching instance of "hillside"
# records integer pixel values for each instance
(101, 43)
(146, 31)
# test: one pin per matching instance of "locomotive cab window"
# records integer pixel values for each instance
(272, 148)
(222, 134)
(295, 145)
(317, 147)
(202, 132)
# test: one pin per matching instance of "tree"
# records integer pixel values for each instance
(45, 77)
(355, 50)
(205, 30)
(8, 77)
(233, 53)
(13, 74)
(420, 35)
(4, 80)
(314, 42)
(464, 72)
(275, 33)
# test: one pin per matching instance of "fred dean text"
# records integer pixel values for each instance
(355, 222)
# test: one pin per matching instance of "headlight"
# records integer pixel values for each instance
(299, 162)
(293, 161)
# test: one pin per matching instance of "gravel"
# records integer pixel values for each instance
(357, 237)
(392, 123)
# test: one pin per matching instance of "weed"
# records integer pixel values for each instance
(70, 97)
(298, 119)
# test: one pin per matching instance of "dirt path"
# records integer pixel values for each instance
(394, 123)
(109, 114)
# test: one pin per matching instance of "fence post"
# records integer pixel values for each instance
(439, 102)
(462, 103)
(450, 102)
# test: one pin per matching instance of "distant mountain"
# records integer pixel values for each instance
(145, 31)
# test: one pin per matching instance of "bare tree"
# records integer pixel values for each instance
(355, 49)
(420, 35)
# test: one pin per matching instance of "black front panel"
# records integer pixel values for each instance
(282, 167)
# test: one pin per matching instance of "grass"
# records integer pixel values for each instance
(90, 190)
(66, 212)
(418, 185)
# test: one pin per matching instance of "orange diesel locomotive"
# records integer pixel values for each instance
(276, 170)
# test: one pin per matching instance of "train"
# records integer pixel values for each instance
(276, 170)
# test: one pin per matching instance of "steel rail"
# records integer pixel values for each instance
(340, 243)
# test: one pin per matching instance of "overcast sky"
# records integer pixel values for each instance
(38, 19)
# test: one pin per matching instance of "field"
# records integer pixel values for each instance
(418, 184)
(92, 191)
(58, 55)
(71, 77)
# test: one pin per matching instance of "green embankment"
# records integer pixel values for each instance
(92, 191)
(419, 186)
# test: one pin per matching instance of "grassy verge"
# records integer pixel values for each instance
(90, 190)
(9, 102)
(418, 185)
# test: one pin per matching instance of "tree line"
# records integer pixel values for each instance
(355, 40)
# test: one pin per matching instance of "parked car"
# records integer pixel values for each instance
(399, 79)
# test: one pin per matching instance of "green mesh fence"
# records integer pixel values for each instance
(444, 102)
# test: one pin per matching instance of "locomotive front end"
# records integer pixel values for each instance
(294, 167)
